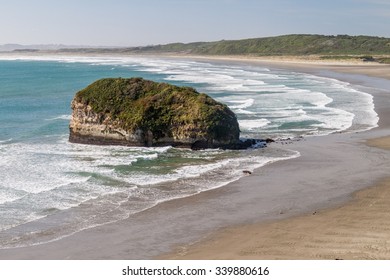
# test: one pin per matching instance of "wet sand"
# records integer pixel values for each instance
(329, 170)
(383, 142)
(358, 230)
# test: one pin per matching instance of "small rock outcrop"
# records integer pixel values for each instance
(139, 112)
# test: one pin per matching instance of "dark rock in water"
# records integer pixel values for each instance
(247, 172)
(138, 112)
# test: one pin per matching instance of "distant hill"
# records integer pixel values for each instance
(299, 44)
(16, 47)
(282, 45)
(42, 47)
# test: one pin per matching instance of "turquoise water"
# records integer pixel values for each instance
(50, 188)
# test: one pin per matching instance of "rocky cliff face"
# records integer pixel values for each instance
(138, 112)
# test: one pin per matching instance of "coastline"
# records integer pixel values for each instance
(310, 63)
(356, 229)
(313, 182)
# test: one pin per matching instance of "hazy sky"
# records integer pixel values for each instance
(144, 22)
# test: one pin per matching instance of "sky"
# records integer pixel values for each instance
(151, 22)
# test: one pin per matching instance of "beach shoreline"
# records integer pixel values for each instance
(355, 229)
(261, 198)
(358, 229)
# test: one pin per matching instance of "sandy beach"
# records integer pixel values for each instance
(358, 229)
(328, 203)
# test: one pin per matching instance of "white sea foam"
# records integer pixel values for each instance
(5, 141)
(311, 104)
(242, 103)
(253, 124)
(308, 97)
(60, 117)
(113, 205)
(191, 171)
(9, 194)
(244, 112)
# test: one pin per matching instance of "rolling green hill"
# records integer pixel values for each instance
(367, 48)
(281, 45)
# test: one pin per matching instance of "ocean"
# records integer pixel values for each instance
(50, 188)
